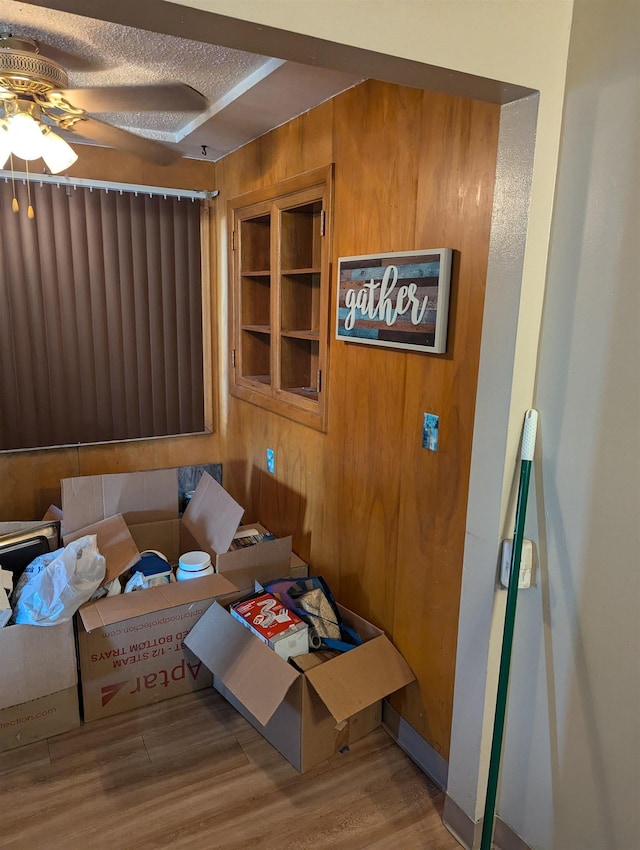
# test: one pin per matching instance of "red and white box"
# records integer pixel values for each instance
(274, 624)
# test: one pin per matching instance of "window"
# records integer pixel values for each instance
(101, 296)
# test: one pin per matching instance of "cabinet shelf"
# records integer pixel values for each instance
(257, 329)
(279, 267)
(313, 335)
(305, 392)
(312, 270)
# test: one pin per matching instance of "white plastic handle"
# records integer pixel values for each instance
(529, 434)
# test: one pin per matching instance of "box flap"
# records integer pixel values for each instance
(90, 498)
(252, 671)
(360, 626)
(35, 661)
(261, 562)
(114, 609)
(52, 514)
(313, 659)
(360, 677)
(212, 516)
(114, 542)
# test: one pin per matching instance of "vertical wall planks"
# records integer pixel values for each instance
(453, 210)
(376, 149)
(381, 518)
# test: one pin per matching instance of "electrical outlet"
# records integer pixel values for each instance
(525, 579)
(271, 461)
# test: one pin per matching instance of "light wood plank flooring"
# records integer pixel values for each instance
(190, 773)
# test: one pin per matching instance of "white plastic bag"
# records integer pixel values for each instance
(36, 566)
(55, 593)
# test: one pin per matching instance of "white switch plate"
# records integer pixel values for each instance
(526, 564)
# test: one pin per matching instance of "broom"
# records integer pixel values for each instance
(526, 459)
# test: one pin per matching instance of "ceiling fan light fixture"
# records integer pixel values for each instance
(57, 154)
(24, 135)
(24, 132)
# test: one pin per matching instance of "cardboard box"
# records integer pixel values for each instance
(132, 650)
(309, 713)
(38, 666)
(38, 683)
(131, 646)
(147, 503)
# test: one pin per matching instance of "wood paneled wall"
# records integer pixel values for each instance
(31, 479)
(381, 518)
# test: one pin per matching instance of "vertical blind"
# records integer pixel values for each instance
(100, 316)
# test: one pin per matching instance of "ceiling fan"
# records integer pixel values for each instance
(35, 98)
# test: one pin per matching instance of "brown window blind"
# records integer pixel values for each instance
(100, 317)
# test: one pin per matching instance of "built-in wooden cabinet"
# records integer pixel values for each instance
(279, 268)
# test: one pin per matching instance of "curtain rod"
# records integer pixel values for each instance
(135, 188)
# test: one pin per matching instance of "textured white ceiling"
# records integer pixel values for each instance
(248, 94)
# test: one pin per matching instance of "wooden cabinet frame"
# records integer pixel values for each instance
(279, 296)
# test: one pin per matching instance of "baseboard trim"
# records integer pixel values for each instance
(469, 833)
(415, 746)
(460, 824)
(436, 768)
(506, 839)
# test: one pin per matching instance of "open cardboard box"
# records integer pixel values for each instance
(310, 713)
(131, 646)
(38, 667)
(38, 683)
(147, 503)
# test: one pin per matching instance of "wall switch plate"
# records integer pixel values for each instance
(271, 461)
(430, 429)
(525, 578)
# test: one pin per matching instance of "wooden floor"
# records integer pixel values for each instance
(191, 774)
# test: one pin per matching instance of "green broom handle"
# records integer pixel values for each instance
(526, 459)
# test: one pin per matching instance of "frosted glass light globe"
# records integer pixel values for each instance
(25, 136)
(56, 153)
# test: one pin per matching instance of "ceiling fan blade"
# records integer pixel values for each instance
(165, 97)
(114, 137)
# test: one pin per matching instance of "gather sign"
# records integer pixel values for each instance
(398, 300)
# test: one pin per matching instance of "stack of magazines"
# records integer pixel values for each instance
(250, 538)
